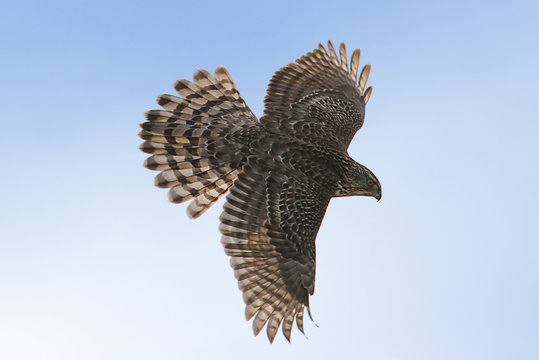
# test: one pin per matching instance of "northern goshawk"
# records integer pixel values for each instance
(281, 170)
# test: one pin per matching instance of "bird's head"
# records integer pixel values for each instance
(360, 182)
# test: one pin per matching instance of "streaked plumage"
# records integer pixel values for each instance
(281, 170)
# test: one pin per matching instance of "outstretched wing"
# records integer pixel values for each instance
(269, 225)
(318, 98)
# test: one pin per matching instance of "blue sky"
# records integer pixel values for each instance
(96, 264)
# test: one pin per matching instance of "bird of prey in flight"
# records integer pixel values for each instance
(280, 171)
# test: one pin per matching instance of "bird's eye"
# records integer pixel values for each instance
(370, 182)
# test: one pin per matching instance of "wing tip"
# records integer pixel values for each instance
(367, 95)
(364, 77)
(342, 61)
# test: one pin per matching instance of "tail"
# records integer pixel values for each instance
(189, 143)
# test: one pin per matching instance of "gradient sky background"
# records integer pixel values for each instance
(96, 264)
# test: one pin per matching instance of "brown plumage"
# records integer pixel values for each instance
(280, 171)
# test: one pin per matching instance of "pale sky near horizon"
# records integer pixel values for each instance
(96, 264)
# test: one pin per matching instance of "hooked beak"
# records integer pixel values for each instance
(378, 197)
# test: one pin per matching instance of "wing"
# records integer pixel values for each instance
(269, 225)
(318, 99)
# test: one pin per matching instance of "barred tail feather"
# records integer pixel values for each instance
(189, 140)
